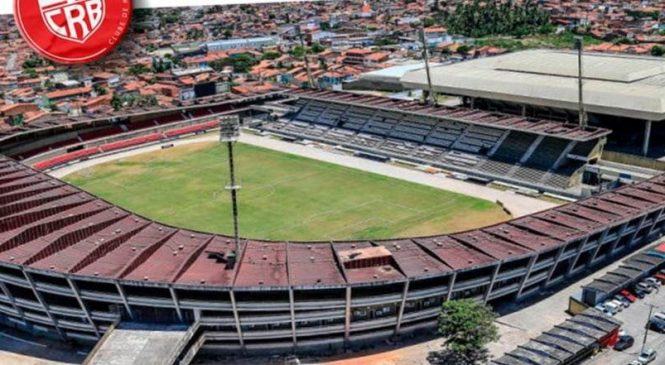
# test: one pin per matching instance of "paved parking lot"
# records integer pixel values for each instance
(634, 319)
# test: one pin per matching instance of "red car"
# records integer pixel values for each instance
(626, 294)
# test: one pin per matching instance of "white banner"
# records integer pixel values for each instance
(6, 6)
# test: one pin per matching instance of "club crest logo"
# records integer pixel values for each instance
(75, 20)
(73, 31)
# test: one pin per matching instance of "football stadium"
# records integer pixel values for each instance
(147, 238)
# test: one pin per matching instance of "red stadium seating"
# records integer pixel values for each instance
(154, 137)
(191, 129)
(68, 157)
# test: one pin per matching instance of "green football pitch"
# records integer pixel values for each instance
(283, 196)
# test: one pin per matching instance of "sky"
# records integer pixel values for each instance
(7, 5)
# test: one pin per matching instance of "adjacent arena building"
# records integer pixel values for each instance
(621, 92)
(72, 265)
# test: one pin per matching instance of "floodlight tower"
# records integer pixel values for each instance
(430, 90)
(229, 133)
(579, 45)
(304, 56)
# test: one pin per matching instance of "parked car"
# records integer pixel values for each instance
(628, 295)
(657, 325)
(625, 342)
(647, 356)
(601, 307)
(661, 277)
(624, 302)
(660, 316)
(655, 283)
(644, 286)
(639, 293)
(613, 307)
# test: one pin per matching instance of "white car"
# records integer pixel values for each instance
(653, 282)
(647, 356)
(612, 308)
(644, 286)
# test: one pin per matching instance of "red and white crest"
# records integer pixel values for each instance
(73, 31)
(74, 20)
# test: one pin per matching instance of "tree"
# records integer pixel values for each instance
(17, 120)
(463, 50)
(298, 52)
(137, 69)
(241, 63)
(99, 89)
(228, 33)
(493, 17)
(116, 103)
(318, 48)
(657, 51)
(468, 327)
(429, 22)
(270, 55)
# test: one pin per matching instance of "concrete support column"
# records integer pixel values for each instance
(121, 291)
(647, 137)
(620, 234)
(292, 310)
(236, 317)
(451, 286)
(347, 315)
(43, 303)
(601, 240)
(524, 110)
(84, 307)
(655, 222)
(557, 260)
(637, 230)
(529, 269)
(176, 303)
(9, 295)
(579, 254)
(400, 314)
(489, 288)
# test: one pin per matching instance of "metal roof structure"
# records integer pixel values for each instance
(618, 85)
(458, 114)
(564, 342)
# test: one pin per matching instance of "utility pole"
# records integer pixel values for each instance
(430, 90)
(230, 133)
(302, 44)
(579, 44)
(646, 327)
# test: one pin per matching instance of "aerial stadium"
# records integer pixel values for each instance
(73, 265)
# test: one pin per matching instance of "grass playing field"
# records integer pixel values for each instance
(283, 196)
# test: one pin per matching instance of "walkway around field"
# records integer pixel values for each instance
(518, 205)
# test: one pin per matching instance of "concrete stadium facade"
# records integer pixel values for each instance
(72, 266)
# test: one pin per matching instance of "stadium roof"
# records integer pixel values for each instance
(618, 85)
(50, 226)
(395, 73)
(462, 115)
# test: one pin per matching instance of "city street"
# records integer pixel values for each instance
(634, 319)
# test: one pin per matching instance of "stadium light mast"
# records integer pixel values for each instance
(304, 56)
(579, 45)
(430, 90)
(229, 133)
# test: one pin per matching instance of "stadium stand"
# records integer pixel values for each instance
(72, 266)
(138, 141)
(488, 145)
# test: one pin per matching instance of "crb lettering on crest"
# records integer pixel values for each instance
(74, 20)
